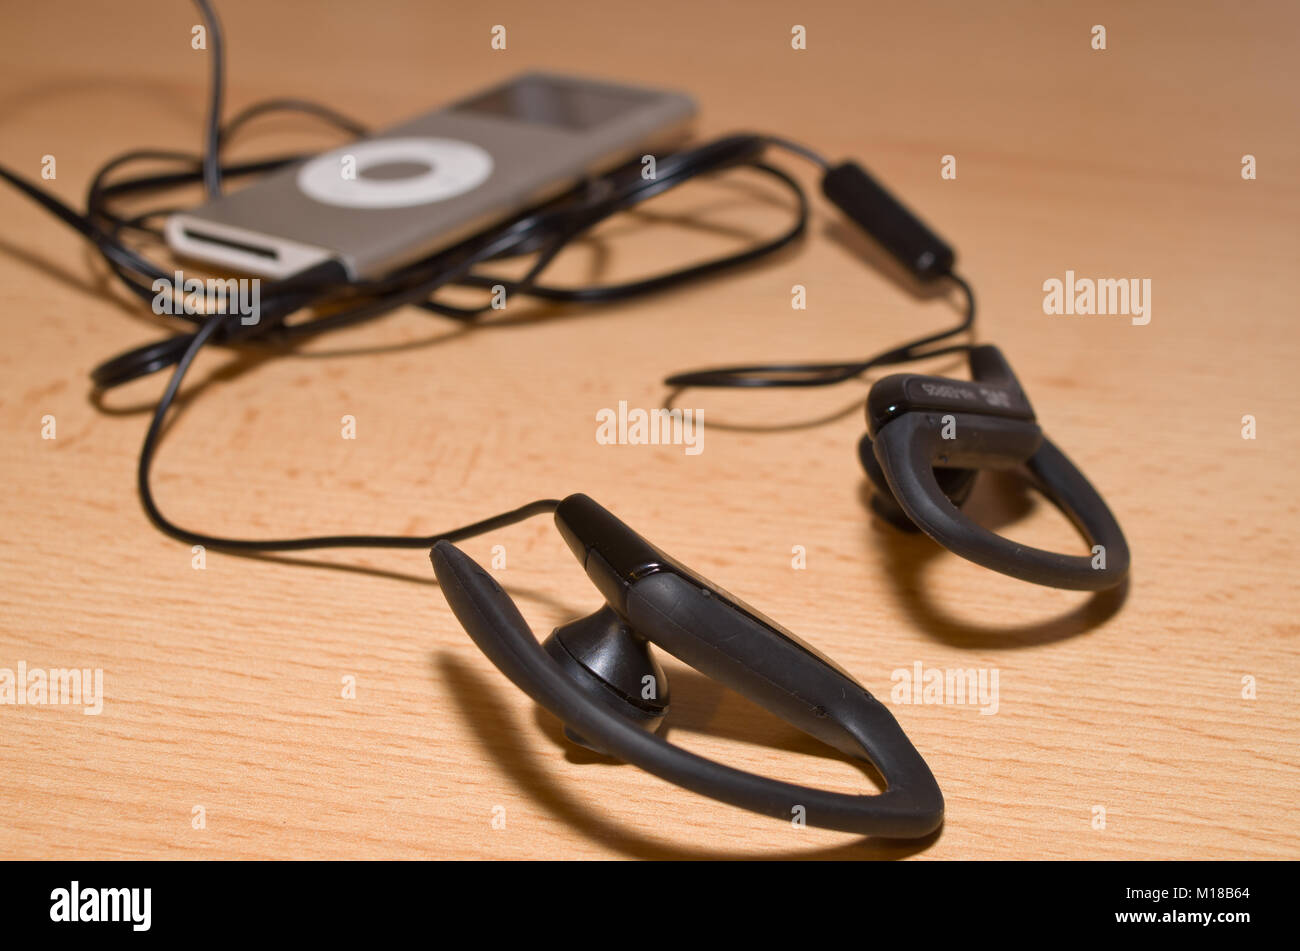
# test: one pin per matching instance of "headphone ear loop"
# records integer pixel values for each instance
(907, 448)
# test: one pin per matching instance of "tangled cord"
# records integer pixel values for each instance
(333, 301)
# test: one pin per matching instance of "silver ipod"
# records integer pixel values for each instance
(392, 198)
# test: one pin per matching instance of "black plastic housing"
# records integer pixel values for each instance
(874, 208)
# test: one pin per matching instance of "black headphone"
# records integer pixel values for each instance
(597, 674)
(928, 437)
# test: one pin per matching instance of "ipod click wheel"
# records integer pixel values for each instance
(387, 200)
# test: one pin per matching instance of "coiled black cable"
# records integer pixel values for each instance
(331, 301)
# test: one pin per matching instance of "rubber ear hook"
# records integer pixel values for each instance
(700, 624)
(921, 427)
(956, 484)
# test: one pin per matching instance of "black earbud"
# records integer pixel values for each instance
(598, 676)
(928, 437)
(612, 665)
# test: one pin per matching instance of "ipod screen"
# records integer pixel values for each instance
(556, 102)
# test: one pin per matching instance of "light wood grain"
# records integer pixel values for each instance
(224, 685)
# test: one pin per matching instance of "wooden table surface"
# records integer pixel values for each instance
(223, 687)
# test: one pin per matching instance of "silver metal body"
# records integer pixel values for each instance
(407, 192)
